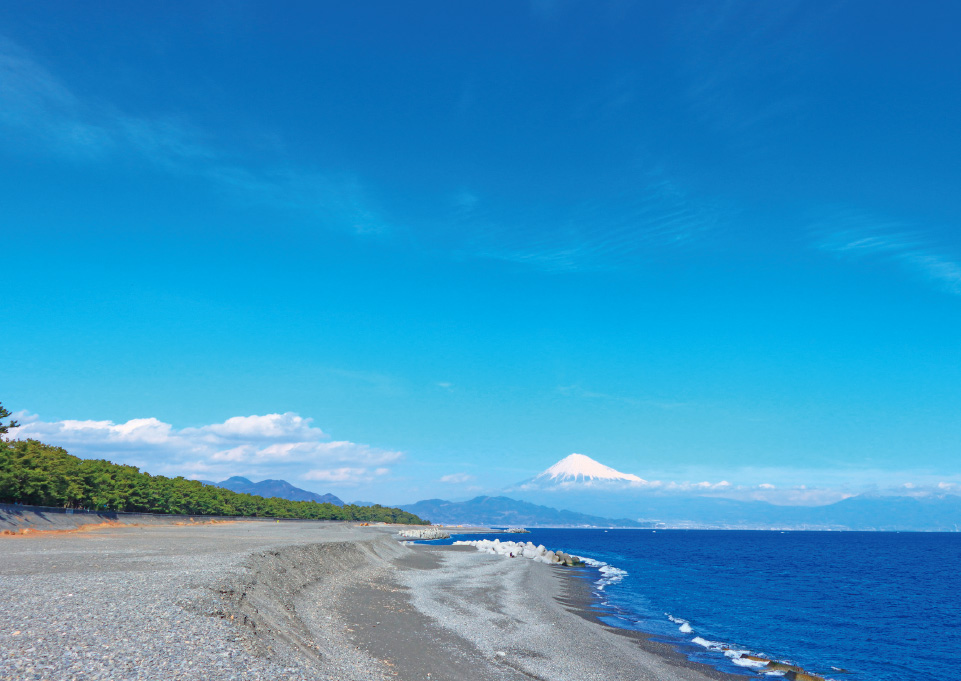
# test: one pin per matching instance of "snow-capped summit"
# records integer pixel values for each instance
(580, 468)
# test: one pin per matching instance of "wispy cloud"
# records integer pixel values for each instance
(38, 105)
(646, 215)
(640, 216)
(857, 236)
(260, 446)
(747, 87)
(41, 112)
(579, 392)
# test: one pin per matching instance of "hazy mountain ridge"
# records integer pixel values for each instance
(906, 514)
(504, 511)
(889, 513)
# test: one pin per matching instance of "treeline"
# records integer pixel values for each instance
(41, 475)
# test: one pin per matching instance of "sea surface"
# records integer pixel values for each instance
(850, 606)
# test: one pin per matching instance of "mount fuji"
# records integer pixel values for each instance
(577, 468)
(571, 475)
(579, 483)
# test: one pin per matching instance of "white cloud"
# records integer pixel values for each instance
(456, 478)
(137, 433)
(345, 475)
(288, 427)
(236, 454)
(259, 446)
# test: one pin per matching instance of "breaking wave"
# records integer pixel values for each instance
(609, 573)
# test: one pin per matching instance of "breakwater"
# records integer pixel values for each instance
(424, 533)
(516, 549)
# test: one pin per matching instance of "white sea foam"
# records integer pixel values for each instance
(735, 655)
(710, 645)
(685, 627)
(745, 662)
(609, 573)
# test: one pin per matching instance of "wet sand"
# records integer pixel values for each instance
(262, 600)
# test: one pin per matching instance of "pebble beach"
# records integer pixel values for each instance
(266, 600)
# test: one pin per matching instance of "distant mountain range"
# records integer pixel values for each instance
(274, 488)
(593, 493)
(865, 512)
(886, 513)
(505, 512)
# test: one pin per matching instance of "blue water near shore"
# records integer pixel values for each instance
(882, 606)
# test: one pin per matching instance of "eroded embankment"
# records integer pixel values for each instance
(19, 520)
(90, 527)
(263, 599)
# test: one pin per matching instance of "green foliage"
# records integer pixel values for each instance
(5, 427)
(41, 475)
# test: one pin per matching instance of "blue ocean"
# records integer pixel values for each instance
(853, 606)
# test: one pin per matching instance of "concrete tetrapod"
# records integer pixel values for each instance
(510, 549)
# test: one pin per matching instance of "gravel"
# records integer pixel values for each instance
(128, 603)
(508, 609)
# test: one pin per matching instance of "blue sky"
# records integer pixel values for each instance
(695, 241)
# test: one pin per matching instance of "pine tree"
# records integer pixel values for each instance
(5, 427)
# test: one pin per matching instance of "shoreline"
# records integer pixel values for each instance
(520, 616)
(581, 599)
(262, 600)
(589, 601)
